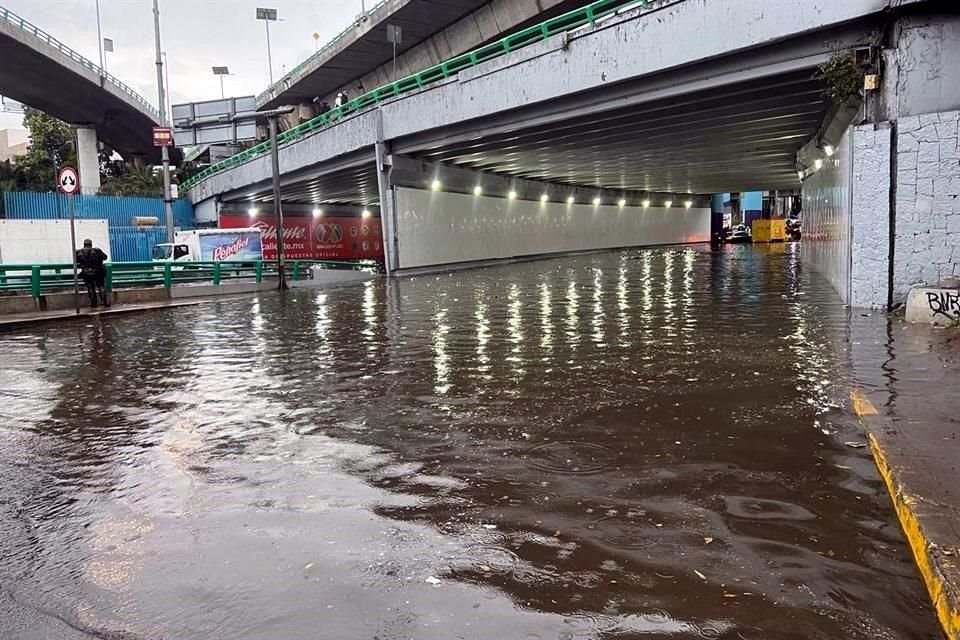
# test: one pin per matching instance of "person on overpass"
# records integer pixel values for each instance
(342, 99)
(90, 261)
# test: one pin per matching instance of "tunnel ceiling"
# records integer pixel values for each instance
(740, 138)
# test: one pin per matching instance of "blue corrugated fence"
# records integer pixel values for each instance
(116, 210)
(134, 244)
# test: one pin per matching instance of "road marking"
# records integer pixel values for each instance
(861, 405)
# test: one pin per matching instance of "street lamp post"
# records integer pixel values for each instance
(164, 151)
(99, 37)
(221, 71)
(268, 16)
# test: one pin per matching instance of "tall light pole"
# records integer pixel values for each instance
(166, 74)
(164, 152)
(268, 16)
(99, 37)
(221, 72)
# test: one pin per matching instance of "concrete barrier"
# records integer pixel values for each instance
(325, 278)
(933, 306)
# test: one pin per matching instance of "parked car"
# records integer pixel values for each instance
(739, 234)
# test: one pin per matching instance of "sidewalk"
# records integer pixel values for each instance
(912, 425)
(10, 322)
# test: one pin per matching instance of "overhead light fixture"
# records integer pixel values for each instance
(571, 199)
(621, 203)
(544, 197)
(818, 163)
(688, 204)
(828, 149)
(596, 202)
(645, 203)
(668, 204)
(253, 211)
(477, 190)
(317, 212)
(512, 195)
(366, 213)
(436, 185)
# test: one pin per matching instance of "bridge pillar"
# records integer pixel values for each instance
(89, 160)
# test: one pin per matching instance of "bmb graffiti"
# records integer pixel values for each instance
(944, 303)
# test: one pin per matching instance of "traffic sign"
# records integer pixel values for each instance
(68, 180)
(162, 137)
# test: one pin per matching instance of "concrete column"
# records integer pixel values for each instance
(88, 159)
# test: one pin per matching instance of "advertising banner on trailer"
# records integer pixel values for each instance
(316, 238)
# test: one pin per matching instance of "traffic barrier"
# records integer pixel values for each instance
(40, 279)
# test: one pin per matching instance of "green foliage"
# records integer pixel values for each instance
(842, 76)
(137, 180)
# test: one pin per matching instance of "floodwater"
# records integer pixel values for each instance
(637, 444)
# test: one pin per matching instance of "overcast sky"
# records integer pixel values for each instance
(196, 34)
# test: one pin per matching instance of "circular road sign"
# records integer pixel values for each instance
(68, 180)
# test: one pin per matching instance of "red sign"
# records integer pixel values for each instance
(162, 137)
(324, 238)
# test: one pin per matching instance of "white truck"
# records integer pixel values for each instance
(211, 245)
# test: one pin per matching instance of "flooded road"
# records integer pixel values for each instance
(638, 444)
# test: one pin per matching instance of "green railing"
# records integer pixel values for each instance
(269, 93)
(10, 17)
(40, 279)
(523, 38)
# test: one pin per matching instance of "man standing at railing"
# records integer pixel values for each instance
(90, 262)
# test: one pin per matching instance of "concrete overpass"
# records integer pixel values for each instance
(360, 57)
(42, 72)
(624, 109)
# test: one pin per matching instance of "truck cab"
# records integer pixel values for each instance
(167, 252)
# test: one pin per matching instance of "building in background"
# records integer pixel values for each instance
(13, 143)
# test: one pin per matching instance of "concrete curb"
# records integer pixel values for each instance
(925, 524)
(11, 324)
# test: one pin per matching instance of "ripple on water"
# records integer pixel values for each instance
(623, 534)
(763, 509)
(485, 559)
(571, 457)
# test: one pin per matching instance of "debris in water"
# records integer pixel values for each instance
(707, 540)
(434, 581)
(856, 445)
(700, 575)
(308, 566)
(489, 526)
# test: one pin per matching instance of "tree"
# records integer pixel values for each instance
(49, 142)
(138, 180)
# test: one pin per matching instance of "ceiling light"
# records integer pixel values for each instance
(668, 204)
(688, 204)
(435, 185)
(818, 163)
(317, 213)
(512, 195)
(253, 211)
(570, 199)
(596, 202)
(366, 213)
(621, 203)
(645, 203)
(544, 198)
(477, 190)
(828, 150)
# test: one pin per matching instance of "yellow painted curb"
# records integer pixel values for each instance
(948, 610)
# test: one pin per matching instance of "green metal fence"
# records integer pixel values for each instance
(40, 279)
(523, 38)
(10, 17)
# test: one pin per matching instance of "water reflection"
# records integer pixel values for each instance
(447, 456)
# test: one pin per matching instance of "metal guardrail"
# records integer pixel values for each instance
(10, 17)
(269, 92)
(449, 68)
(39, 279)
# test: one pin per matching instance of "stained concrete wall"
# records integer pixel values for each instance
(826, 219)
(927, 240)
(443, 228)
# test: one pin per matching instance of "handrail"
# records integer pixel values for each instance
(45, 278)
(577, 18)
(8, 16)
(333, 42)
